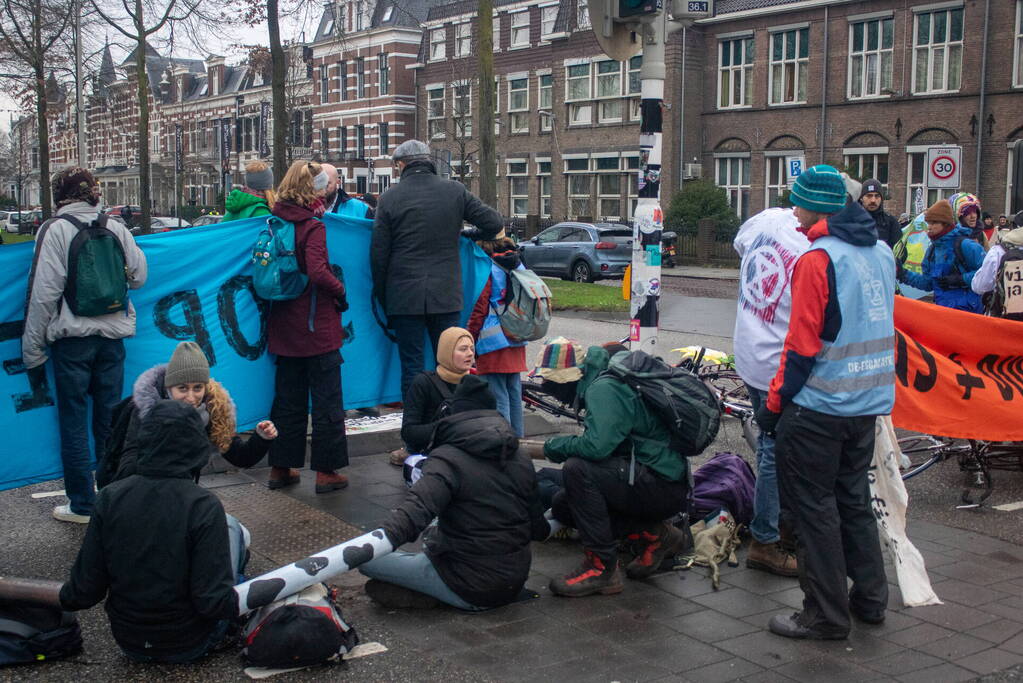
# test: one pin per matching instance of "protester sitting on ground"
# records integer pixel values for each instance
(966, 209)
(499, 361)
(455, 355)
(872, 199)
(256, 198)
(598, 499)
(186, 378)
(86, 347)
(306, 335)
(769, 245)
(950, 263)
(158, 548)
(1006, 302)
(481, 488)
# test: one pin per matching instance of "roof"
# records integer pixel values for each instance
(454, 9)
(400, 14)
(729, 6)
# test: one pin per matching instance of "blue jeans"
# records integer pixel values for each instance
(415, 572)
(764, 526)
(84, 368)
(238, 543)
(507, 389)
(411, 331)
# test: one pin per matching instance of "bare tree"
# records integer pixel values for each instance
(485, 104)
(29, 30)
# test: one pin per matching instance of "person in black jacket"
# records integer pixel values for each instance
(872, 199)
(414, 253)
(482, 490)
(157, 548)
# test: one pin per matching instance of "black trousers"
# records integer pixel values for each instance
(822, 471)
(298, 380)
(600, 503)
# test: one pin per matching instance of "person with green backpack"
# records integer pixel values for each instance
(256, 198)
(77, 315)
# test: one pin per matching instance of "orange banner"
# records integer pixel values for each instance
(957, 374)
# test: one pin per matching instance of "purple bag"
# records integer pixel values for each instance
(724, 481)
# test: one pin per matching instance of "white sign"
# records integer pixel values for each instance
(794, 166)
(943, 167)
(918, 200)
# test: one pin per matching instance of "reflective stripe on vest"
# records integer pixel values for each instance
(855, 374)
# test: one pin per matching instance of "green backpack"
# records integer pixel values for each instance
(97, 278)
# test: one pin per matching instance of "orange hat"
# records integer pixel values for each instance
(940, 212)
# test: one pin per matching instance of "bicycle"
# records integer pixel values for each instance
(731, 392)
(923, 451)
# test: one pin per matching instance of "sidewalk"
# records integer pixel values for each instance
(701, 272)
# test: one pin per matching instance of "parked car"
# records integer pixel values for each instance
(165, 223)
(11, 222)
(29, 222)
(583, 252)
(118, 212)
(206, 220)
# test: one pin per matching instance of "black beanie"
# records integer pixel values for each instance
(472, 393)
(872, 185)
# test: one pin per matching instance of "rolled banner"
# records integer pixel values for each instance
(33, 592)
(292, 578)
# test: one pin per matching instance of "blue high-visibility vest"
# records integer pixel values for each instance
(491, 336)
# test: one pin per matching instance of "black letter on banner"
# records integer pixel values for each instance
(39, 396)
(1009, 369)
(349, 328)
(195, 325)
(921, 382)
(901, 361)
(964, 379)
(229, 317)
(986, 367)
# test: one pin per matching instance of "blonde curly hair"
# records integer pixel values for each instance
(297, 184)
(222, 419)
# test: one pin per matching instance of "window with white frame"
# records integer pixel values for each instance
(867, 164)
(790, 53)
(518, 188)
(776, 177)
(342, 79)
(631, 184)
(609, 85)
(360, 143)
(383, 138)
(870, 57)
(497, 33)
(938, 51)
(577, 89)
(545, 100)
(463, 39)
(735, 72)
(578, 183)
(518, 105)
(732, 174)
(543, 172)
(324, 84)
(520, 29)
(1017, 75)
(384, 74)
(548, 15)
(360, 77)
(435, 112)
(438, 38)
(461, 109)
(916, 163)
(609, 187)
(497, 106)
(635, 87)
(582, 17)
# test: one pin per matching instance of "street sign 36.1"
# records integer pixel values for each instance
(944, 166)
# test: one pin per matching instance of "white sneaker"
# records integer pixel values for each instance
(64, 514)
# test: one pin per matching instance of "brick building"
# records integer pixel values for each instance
(867, 85)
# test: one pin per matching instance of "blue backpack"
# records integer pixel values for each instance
(275, 272)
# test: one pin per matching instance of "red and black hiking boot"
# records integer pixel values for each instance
(653, 546)
(591, 577)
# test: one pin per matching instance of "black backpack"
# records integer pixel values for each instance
(97, 276)
(1007, 298)
(686, 406)
(36, 634)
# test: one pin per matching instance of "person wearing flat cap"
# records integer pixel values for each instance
(256, 198)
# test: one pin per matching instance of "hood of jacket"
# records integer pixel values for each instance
(594, 364)
(292, 212)
(239, 200)
(483, 434)
(853, 224)
(1013, 238)
(418, 167)
(172, 441)
(83, 211)
(149, 389)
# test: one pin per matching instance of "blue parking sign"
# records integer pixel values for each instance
(795, 167)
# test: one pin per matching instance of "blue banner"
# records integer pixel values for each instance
(199, 289)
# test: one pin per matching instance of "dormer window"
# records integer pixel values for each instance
(387, 13)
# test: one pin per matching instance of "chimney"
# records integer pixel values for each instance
(182, 79)
(214, 75)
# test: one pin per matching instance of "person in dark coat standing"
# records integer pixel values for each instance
(306, 335)
(872, 199)
(481, 489)
(414, 256)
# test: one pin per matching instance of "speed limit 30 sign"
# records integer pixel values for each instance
(943, 167)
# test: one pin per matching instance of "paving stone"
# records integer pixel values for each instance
(977, 573)
(813, 670)
(793, 597)
(998, 631)
(1008, 608)
(1014, 644)
(1012, 587)
(893, 621)
(990, 661)
(966, 593)
(953, 616)
(659, 605)
(728, 670)
(678, 653)
(684, 584)
(917, 635)
(946, 673)
(736, 602)
(903, 662)
(609, 667)
(918, 528)
(766, 649)
(623, 627)
(709, 626)
(761, 583)
(860, 646)
(956, 646)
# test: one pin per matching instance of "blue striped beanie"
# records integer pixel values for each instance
(819, 189)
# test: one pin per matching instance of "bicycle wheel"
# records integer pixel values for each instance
(920, 452)
(728, 385)
(535, 398)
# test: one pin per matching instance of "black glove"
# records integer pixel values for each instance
(951, 281)
(473, 233)
(37, 378)
(767, 419)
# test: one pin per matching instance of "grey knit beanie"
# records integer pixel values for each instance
(187, 365)
(260, 180)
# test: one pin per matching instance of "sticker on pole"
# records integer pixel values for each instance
(943, 167)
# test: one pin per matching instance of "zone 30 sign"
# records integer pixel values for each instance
(943, 167)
